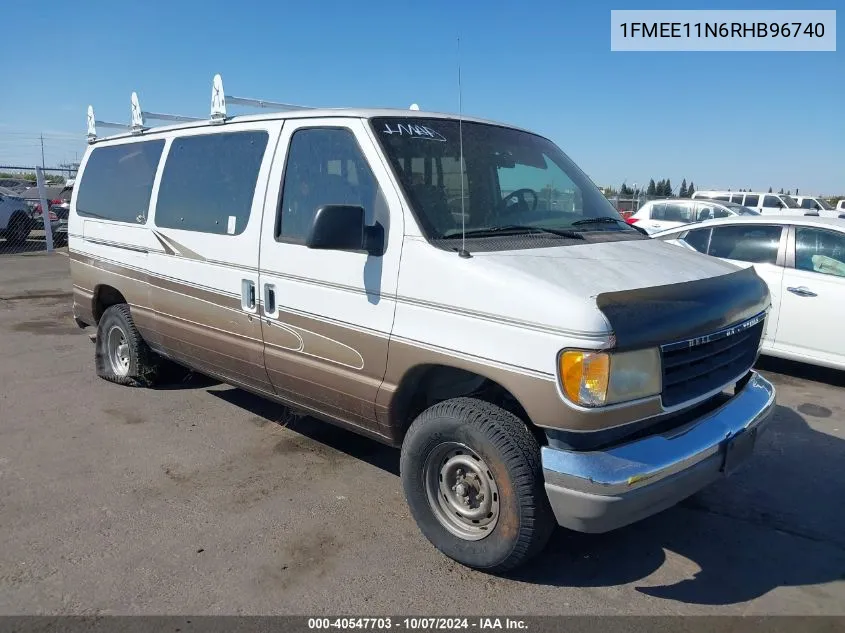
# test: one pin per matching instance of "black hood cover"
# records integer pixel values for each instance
(649, 317)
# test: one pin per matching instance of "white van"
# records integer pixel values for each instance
(409, 275)
(764, 203)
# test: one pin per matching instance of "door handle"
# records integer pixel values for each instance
(248, 295)
(802, 291)
(269, 299)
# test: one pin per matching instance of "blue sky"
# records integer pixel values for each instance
(720, 119)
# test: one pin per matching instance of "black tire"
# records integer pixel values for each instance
(18, 229)
(511, 453)
(143, 363)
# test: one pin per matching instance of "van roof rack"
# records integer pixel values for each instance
(139, 117)
(218, 115)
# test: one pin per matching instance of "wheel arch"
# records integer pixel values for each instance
(427, 384)
(103, 298)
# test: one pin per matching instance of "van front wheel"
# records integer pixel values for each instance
(474, 483)
(121, 355)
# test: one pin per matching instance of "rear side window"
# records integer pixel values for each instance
(752, 243)
(751, 200)
(809, 203)
(772, 201)
(737, 197)
(677, 212)
(657, 212)
(118, 181)
(209, 181)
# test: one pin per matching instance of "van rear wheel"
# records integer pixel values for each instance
(121, 355)
(473, 480)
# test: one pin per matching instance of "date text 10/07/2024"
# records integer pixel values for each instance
(721, 29)
(418, 623)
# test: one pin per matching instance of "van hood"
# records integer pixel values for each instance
(649, 292)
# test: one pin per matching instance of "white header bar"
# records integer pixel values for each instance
(724, 30)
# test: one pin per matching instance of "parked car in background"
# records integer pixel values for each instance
(15, 220)
(802, 259)
(660, 215)
(61, 204)
(840, 206)
(814, 204)
(764, 203)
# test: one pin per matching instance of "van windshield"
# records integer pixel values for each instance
(512, 182)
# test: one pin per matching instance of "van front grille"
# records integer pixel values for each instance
(697, 366)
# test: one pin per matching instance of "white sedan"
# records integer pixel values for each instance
(662, 215)
(802, 259)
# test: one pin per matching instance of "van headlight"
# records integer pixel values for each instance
(595, 379)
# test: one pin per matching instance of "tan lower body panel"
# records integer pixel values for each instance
(538, 395)
(314, 363)
(346, 373)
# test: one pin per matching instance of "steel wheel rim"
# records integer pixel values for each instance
(461, 491)
(118, 351)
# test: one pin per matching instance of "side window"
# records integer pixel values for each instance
(772, 201)
(751, 200)
(209, 181)
(657, 212)
(704, 211)
(678, 212)
(118, 181)
(324, 166)
(820, 251)
(809, 203)
(747, 243)
(737, 197)
(724, 198)
(698, 239)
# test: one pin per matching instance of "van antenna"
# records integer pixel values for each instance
(463, 252)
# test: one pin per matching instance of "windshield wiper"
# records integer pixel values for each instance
(514, 229)
(600, 220)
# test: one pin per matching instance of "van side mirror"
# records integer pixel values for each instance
(341, 227)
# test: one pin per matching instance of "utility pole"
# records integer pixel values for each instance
(42, 151)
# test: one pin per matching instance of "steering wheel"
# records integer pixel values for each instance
(520, 202)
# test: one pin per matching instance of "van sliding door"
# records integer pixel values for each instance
(204, 274)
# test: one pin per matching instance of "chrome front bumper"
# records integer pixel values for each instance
(598, 491)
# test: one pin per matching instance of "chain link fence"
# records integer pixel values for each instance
(34, 206)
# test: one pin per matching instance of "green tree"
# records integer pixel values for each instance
(690, 189)
(682, 193)
(781, 191)
(652, 188)
(667, 187)
(770, 190)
